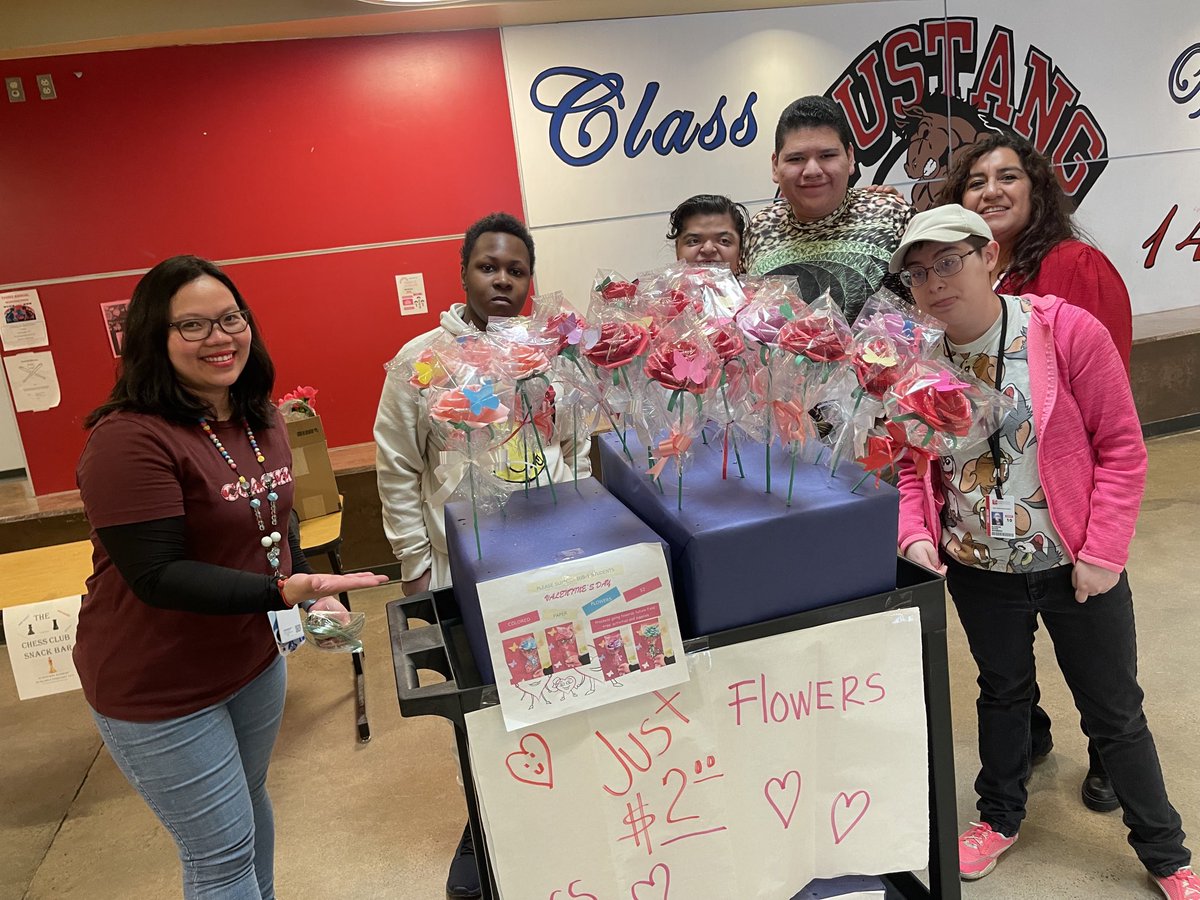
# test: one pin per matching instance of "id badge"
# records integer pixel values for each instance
(1001, 518)
(287, 628)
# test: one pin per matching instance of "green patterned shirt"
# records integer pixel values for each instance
(847, 251)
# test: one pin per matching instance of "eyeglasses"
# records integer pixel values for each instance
(915, 276)
(199, 329)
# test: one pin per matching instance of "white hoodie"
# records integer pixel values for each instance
(407, 457)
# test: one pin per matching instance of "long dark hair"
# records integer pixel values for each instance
(1050, 209)
(147, 382)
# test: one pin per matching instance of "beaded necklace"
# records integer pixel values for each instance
(270, 542)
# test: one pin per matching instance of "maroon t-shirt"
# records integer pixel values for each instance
(135, 661)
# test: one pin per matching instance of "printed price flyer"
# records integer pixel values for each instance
(582, 633)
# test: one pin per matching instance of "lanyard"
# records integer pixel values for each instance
(994, 437)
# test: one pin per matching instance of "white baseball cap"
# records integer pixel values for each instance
(944, 224)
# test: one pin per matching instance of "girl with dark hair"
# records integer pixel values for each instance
(174, 647)
(1007, 181)
(497, 269)
(1010, 184)
(709, 228)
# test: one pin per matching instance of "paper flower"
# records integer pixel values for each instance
(942, 405)
(566, 328)
(618, 290)
(876, 363)
(727, 342)
(813, 337)
(298, 404)
(523, 361)
(428, 370)
(473, 406)
(761, 323)
(617, 344)
(681, 366)
(475, 352)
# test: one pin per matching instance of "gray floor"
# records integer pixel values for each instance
(380, 820)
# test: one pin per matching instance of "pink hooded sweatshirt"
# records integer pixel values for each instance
(1091, 458)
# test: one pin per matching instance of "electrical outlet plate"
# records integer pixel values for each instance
(46, 87)
(15, 89)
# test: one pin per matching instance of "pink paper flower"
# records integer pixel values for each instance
(681, 366)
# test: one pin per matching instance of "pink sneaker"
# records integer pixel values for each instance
(1183, 885)
(979, 847)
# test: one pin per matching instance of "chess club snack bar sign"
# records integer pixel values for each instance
(784, 759)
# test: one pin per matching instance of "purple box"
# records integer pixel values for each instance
(846, 886)
(740, 555)
(533, 532)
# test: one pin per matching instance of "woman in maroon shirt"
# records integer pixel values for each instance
(186, 482)
(1013, 187)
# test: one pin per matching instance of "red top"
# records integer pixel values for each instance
(1085, 277)
(140, 663)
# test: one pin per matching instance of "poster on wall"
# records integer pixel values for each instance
(410, 290)
(783, 759)
(618, 137)
(40, 638)
(24, 323)
(33, 381)
(114, 315)
(583, 633)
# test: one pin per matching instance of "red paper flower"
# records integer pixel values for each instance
(877, 365)
(619, 344)
(566, 328)
(813, 338)
(618, 290)
(945, 411)
(883, 448)
(681, 366)
(727, 342)
(466, 408)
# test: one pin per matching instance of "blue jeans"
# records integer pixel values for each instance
(205, 776)
(1096, 647)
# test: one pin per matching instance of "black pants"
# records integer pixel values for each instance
(1096, 647)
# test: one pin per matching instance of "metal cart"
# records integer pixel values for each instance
(441, 646)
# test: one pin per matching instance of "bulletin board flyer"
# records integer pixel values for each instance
(582, 633)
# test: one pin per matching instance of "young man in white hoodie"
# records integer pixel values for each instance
(497, 267)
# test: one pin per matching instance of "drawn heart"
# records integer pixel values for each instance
(781, 787)
(531, 765)
(656, 888)
(848, 804)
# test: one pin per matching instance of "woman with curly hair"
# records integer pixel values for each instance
(1007, 181)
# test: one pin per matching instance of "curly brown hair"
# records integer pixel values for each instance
(1050, 219)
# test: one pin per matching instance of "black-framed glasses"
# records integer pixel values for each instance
(915, 276)
(199, 329)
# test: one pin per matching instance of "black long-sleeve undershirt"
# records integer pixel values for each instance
(151, 557)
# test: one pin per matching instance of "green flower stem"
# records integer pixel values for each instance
(541, 449)
(792, 477)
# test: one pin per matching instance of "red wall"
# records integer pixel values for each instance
(247, 150)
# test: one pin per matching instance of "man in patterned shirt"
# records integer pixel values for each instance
(820, 230)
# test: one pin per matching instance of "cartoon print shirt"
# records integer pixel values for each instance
(847, 251)
(969, 478)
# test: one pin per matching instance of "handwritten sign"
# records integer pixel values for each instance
(785, 759)
(582, 633)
